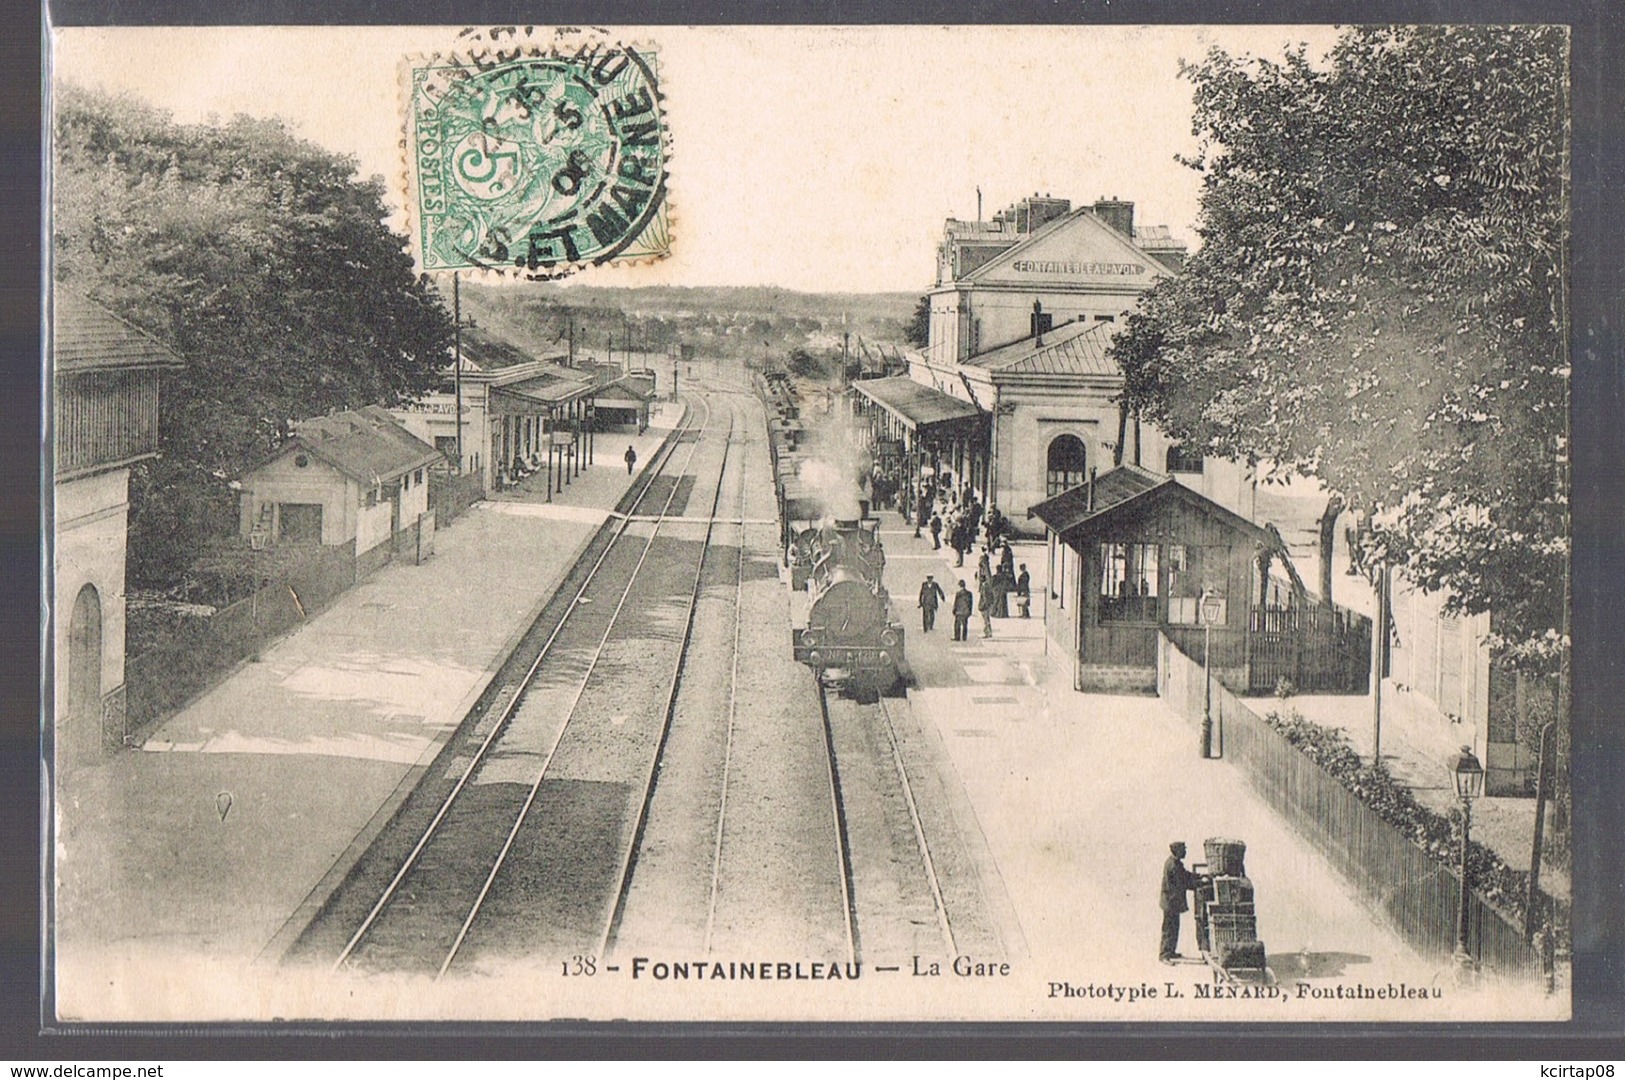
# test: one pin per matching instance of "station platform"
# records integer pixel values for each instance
(1075, 798)
(224, 829)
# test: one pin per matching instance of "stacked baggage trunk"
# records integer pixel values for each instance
(1226, 918)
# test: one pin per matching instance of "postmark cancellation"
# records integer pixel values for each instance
(534, 159)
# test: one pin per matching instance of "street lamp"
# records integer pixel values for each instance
(1469, 777)
(1212, 613)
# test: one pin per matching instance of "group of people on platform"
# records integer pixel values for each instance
(939, 508)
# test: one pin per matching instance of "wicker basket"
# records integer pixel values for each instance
(1225, 858)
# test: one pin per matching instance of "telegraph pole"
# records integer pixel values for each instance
(457, 359)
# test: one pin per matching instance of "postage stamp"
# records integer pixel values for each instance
(536, 160)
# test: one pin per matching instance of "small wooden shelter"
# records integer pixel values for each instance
(1132, 555)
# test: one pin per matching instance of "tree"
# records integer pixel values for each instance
(918, 330)
(261, 260)
(1378, 302)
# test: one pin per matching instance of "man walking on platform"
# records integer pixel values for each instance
(962, 610)
(936, 531)
(931, 595)
(631, 458)
(1024, 593)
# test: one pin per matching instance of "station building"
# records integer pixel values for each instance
(513, 407)
(1088, 264)
(105, 381)
(1021, 316)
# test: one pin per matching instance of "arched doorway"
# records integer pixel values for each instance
(1066, 466)
(81, 736)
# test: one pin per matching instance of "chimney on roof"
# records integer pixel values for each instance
(1116, 213)
(1042, 321)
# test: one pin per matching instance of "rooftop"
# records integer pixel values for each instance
(368, 444)
(1073, 348)
(485, 352)
(916, 404)
(1077, 511)
(88, 337)
(549, 387)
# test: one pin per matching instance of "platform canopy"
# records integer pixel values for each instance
(546, 390)
(920, 408)
(621, 394)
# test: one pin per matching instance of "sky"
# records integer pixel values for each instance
(811, 158)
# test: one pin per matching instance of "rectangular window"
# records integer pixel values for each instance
(1192, 571)
(1128, 583)
(1057, 567)
(301, 523)
(1182, 459)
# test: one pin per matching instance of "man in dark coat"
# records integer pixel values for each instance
(936, 532)
(631, 459)
(1024, 593)
(962, 611)
(1176, 882)
(931, 595)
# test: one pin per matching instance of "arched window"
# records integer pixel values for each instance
(82, 740)
(1066, 466)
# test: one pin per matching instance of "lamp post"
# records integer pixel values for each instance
(1212, 612)
(1469, 777)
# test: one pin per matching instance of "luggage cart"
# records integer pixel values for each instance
(1226, 918)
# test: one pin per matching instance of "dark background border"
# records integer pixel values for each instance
(1599, 568)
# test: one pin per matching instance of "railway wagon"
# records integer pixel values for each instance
(849, 634)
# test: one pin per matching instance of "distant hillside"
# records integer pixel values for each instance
(716, 320)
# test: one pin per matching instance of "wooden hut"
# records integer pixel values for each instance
(1133, 552)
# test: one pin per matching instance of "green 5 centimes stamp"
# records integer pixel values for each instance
(537, 161)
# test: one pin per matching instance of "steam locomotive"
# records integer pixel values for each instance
(844, 629)
(850, 636)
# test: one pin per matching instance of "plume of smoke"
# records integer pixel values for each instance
(837, 463)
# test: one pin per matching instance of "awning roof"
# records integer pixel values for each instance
(545, 389)
(621, 395)
(918, 406)
(1077, 513)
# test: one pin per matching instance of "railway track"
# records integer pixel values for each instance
(915, 890)
(538, 809)
(654, 774)
(744, 846)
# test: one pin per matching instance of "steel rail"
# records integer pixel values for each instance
(843, 851)
(733, 702)
(570, 715)
(926, 859)
(629, 858)
(667, 452)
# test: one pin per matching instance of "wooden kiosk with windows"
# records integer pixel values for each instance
(1131, 554)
